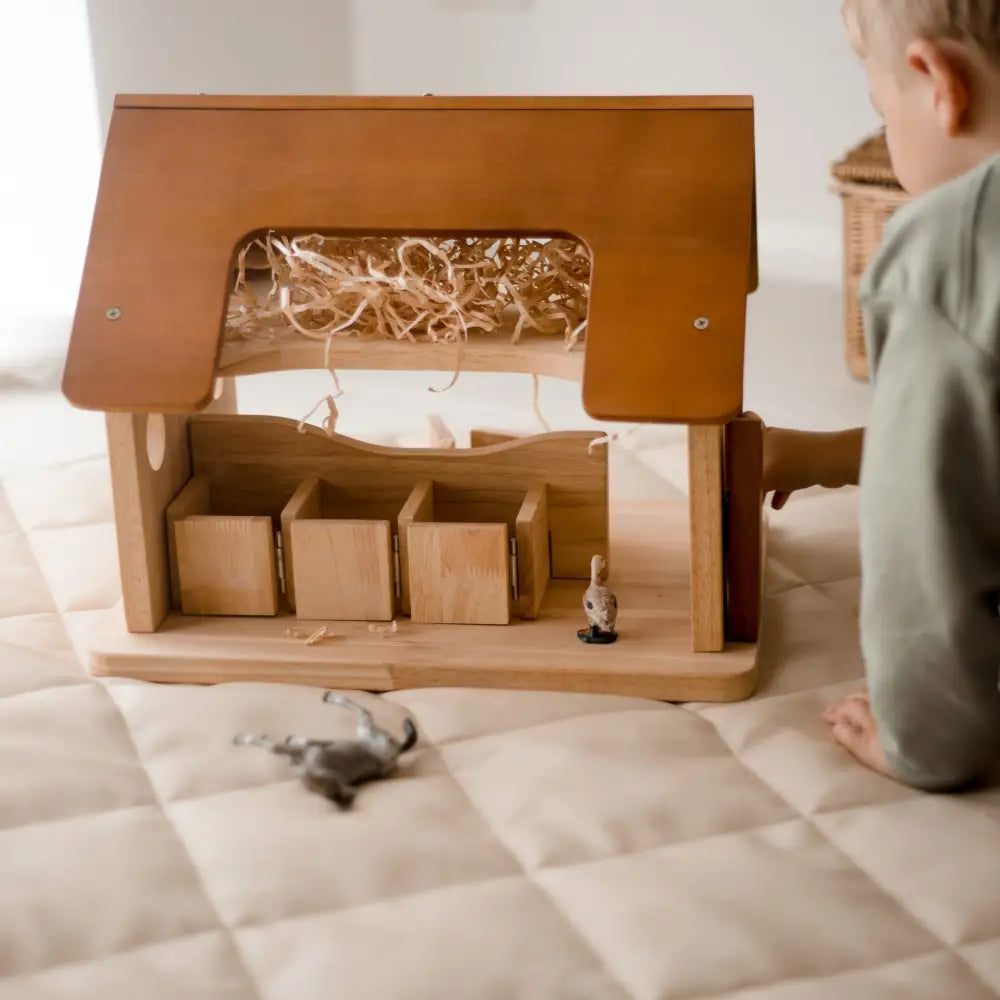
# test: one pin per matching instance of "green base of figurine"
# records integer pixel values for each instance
(596, 637)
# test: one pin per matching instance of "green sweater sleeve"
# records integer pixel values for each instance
(930, 550)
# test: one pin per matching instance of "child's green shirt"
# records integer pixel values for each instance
(930, 484)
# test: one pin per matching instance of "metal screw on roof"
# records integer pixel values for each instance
(113, 313)
(701, 323)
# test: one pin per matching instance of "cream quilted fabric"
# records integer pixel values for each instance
(532, 846)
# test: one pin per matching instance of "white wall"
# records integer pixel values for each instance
(219, 46)
(790, 54)
(48, 170)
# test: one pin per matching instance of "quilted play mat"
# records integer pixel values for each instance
(529, 846)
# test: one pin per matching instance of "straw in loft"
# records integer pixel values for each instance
(408, 288)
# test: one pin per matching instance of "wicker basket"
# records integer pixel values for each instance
(870, 195)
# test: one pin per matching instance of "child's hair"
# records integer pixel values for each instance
(882, 25)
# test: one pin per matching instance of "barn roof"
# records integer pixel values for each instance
(661, 189)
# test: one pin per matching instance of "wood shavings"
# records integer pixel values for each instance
(535, 404)
(329, 421)
(333, 414)
(310, 637)
(605, 440)
(408, 288)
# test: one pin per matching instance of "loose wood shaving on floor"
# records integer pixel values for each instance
(308, 636)
(409, 288)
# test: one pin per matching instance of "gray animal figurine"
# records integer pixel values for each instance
(601, 607)
(335, 768)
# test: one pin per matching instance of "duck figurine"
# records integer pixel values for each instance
(601, 607)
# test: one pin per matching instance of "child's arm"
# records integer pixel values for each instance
(930, 553)
(796, 460)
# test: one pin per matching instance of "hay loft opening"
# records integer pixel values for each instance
(417, 289)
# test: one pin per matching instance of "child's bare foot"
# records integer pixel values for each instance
(855, 729)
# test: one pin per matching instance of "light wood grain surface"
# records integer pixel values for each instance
(226, 565)
(343, 569)
(707, 578)
(459, 573)
(533, 554)
(652, 658)
(419, 507)
(305, 502)
(256, 463)
(141, 497)
(195, 498)
(545, 356)
(483, 437)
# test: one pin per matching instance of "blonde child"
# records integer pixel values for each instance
(929, 461)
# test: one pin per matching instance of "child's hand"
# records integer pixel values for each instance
(796, 460)
(855, 729)
(788, 464)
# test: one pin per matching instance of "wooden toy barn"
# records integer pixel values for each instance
(609, 241)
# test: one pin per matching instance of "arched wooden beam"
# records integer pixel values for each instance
(482, 353)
